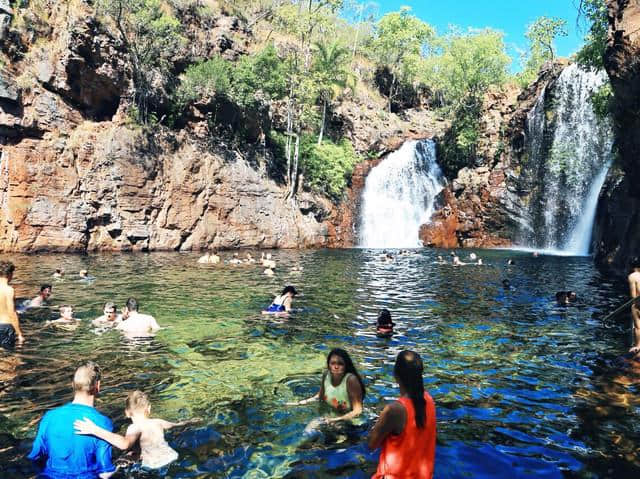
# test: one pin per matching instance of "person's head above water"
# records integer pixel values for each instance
(635, 263)
(87, 379)
(562, 297)
(137, 403)
(6, 269)
(510, 261)
(66, 311)
(572, 296)
(506, 283)
(348, 365)
(132, 304)
(384, 317)
(83, 273)
(408, 372)
(110, 310)
(45, 290)
(289, 289)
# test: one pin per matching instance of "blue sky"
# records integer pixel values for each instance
(509, 16)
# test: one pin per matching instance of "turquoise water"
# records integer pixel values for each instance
(523, 388)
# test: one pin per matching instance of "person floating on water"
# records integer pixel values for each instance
(42, 298)
(59, 273)
(634, 291)
(9, 323)
(406, 428)
(282, 304)
(455, 261)
(135, 323)
(205, 258)
(341, 388)
(67, 454)
(155, 452)
(384, 324)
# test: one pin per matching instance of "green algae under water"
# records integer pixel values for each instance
(523, 388)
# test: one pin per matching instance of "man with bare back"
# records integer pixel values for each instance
(9, 323)
(634, 289)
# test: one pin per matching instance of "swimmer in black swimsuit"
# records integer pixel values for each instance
(9, 324)
(384, 326)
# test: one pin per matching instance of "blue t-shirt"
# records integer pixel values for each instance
(70, 455)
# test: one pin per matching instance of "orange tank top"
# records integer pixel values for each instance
(411, 454)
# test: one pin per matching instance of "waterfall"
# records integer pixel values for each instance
(399, 196)
(569, 152)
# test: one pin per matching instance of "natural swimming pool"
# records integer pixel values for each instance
(523, 388)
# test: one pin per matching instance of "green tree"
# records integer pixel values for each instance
(468, 64)
(330, 73)
(541, 35)
(401, 42)
(262, 75)
(151, 37)
(594, 14)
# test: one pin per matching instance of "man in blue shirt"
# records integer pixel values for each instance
(69, 455)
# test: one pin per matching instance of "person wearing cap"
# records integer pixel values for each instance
(282, 303)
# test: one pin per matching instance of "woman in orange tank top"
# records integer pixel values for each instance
(406, 429)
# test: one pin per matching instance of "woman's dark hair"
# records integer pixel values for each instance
(289, 289)
(384, 317)
(408, 372)
(348, 365)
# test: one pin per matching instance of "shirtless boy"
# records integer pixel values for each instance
(9, 324)
(634, 289)
(110, 316)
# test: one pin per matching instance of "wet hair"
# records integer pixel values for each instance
(59, 271)
(288, 289)
(110, 305)
(635, 262)
(63, 307)
(384, 318)
(506, 283)
(6, 269)
(348, 365)
(572, 296)
(562, 297)
(136, 401)
(132, 304)
(44, 286)
(408, 372)
(86, 377)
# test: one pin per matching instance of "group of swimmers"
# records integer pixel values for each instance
(265, 260)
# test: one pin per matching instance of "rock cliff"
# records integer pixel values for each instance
(617, 231)
(76, 174)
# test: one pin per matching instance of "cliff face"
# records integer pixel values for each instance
(76, 174)
(617, 231)
(485, 204)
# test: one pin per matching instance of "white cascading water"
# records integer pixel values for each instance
(573, 156)
(399, 197)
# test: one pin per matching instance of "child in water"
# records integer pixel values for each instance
(384, 326)
(154, 450)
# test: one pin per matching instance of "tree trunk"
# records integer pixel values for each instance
(324, 116)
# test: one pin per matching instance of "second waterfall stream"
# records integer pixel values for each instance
(399, 196)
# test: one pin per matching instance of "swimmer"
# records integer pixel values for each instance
(214, 258)
(510, 262)
(384, 325)
(634, 291)
(268, 272)
(110, 316)
(479, 262)
(440, 260)
(456, 261)
(388, 258)
(135, 323)
(204, 259)
(45, 294)
(249, 259)
(267, 262)
(282, 304)
(155, 452)
(561, 298)
(472, 257)
(535, 254)
(9, 324)
(236, 259)
(58, 274)
(296, 269)
(84, 274)
(506, 284)
(66, 318)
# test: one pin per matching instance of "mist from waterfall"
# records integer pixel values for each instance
(399, 196)
(571, 149)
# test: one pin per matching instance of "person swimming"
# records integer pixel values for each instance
(282, 303)
(155, 452)
(564, 298)
(384, 324)
(59, 273)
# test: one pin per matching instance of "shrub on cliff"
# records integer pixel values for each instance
(594, 14)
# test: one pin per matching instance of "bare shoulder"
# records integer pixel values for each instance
(634, 277)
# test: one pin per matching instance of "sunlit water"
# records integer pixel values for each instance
(523, 388)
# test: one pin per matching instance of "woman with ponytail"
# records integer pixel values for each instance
(406, 429)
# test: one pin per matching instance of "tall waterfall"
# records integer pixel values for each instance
(570, 150)
(399, 196)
